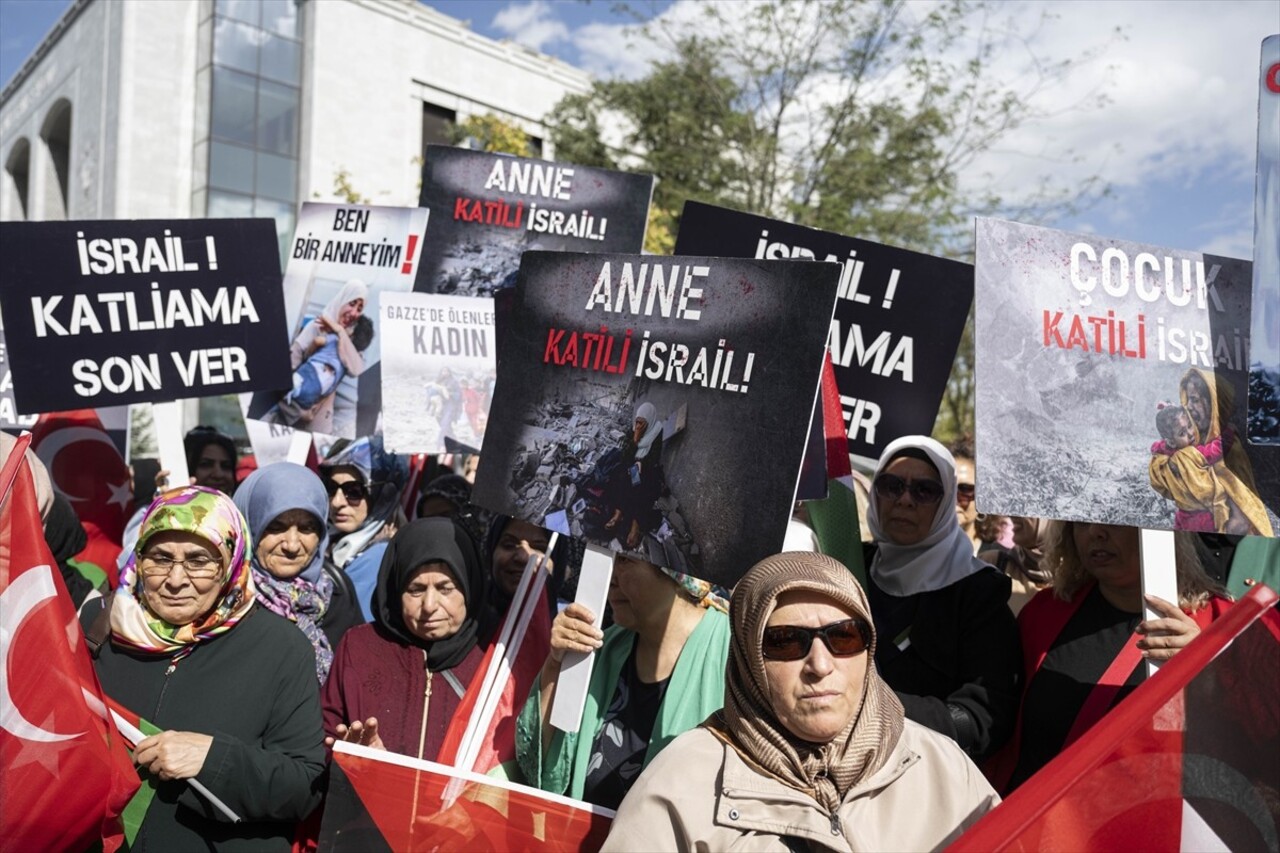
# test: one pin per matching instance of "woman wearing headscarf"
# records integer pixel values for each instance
(363, 482)
(637, 482)
(659, 672)
(327, 349)
(231, 684)
(396, 683)
(286, 507)
(1024, 562)
(949, 643)
(811, 750)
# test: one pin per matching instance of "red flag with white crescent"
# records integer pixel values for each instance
(1190, 761)
(87, 469)
(64, 771)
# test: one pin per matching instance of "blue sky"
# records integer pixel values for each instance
(1177, 141)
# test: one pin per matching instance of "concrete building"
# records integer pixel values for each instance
(137, 109)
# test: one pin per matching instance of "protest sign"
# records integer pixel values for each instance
(1264, 342)
(898, 320)
(378, 800)
(487, 209)
(719, 358)
(109, 313)
(343, 257)
(438, 376)
(1110, 384)
(10, 419)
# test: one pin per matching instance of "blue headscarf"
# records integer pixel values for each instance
(262, 497)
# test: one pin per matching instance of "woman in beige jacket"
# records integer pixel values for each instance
(811, 750)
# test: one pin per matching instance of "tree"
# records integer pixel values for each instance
(493, 135)
(855, 116)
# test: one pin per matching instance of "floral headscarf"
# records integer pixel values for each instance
(213, 517)
(705, 594)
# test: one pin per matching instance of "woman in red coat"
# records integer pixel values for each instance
(1084, 639)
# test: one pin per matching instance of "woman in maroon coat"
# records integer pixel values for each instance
(396, 682)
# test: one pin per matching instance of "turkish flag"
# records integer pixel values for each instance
(1190, 761)
(65, 774)
(382, 801)
(87, 469)
(498, 742)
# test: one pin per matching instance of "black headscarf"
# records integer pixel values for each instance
(498, 600)
(431, 540)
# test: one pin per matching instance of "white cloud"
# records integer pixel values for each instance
(533, 24)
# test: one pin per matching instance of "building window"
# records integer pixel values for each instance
(18, 168)
(254, 112)
(56, 134)
(437, 124)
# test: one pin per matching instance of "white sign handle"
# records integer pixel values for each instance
(575, 672)
(1159, 574)
(299, 447)
(167, 418)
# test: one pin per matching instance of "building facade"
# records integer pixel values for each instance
(153, 109)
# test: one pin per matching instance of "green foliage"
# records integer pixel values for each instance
(493, 134)
(855, 116)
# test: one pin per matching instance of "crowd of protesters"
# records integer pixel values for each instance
(801, 709)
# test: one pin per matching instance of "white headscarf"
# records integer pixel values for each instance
(945, 555)
(352, 290)
(649, 414)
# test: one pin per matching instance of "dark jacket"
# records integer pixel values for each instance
(344, 608)
(252, 688)
(960, 674)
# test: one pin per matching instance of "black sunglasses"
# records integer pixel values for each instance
(922, 491)
(792, 642)
(353, 490)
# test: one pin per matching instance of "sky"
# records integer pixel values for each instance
(1176, 138)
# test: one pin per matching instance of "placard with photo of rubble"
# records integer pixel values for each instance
(438, 374)
(1111, 381)
(487, 209)
(658, 406)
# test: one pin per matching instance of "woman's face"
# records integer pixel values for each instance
(519, 539)
(176, 597)
(904, 519)
(636, 590)
(638, 429)
(289, 543)
(346, 514)
(215, 469)
(432, 604)
(817, 696)
(351, 312)
(1110, 554)
(1024, 532)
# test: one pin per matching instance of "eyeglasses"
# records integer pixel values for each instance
(353, 490)
(965, 489)
(792, 642)
(922, 491)
(198, 568)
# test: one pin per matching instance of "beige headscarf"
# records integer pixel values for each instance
(827, 771)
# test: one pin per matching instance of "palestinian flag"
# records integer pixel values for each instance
(1190, 761)
(133, 728)
(383, 801)
(835, 519)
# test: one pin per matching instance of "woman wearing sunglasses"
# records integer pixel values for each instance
(363, 482)
(949, 643)
(811, 750)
